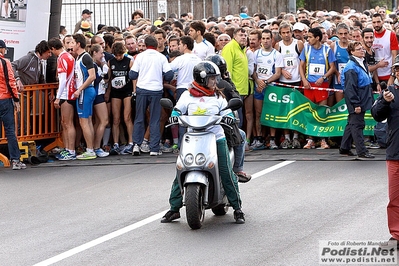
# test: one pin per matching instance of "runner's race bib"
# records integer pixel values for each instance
(290, 62)
(118, 82)
(316, 69)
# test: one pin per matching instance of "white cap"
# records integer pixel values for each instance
(229, 17)
(299, 26)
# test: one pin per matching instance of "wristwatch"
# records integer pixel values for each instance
(324, 77)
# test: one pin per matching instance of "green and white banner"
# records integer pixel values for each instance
(287, 108)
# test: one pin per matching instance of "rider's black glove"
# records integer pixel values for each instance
(228, 120)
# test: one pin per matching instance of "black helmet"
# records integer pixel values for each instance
(203, 70)
(219, 61)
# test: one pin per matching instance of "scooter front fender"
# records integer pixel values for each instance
(196, 177)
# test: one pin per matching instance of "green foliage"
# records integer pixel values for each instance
(300, 4)
(374, 3)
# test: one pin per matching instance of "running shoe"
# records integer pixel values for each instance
(127, 150)
(115, 149)
(136, 150)
(286, 144)
(296, 144)
(367, 143)
(101, 153)
(257, 145)
(87, 156)
(18, 165)
(144, 147)
(239, 216)
(67, 156)
(323, 145)
(374, 146)
(310, 144)
(61, 154)
(156, 153)
(166, 147)
(272, 145)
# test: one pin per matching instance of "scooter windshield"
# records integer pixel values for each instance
(198, 122)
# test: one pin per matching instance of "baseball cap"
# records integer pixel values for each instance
(86, 11)
(299, 26)
(229, 17)
(2, 44)
(326, 24)
(158, 22)
(244, 15)
(262, 23)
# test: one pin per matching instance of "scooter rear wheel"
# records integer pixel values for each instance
(220, 210)
(195, 210)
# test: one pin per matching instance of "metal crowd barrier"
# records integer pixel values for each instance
(38, 119)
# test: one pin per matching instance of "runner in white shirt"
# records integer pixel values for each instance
(268, 65)
(202, 48)
(184, 65)
(290, 49)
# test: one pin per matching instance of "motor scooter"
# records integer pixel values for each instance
(197, 165)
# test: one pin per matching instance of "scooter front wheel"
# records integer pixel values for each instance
(195, 210)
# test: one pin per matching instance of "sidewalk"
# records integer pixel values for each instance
(252, 156)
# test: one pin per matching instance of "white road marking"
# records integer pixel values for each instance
(134, 226)
(271, 169)
(100, 240)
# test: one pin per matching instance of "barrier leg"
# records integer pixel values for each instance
(56, 143)
(5, 160)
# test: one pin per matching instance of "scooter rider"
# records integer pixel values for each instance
(204, 98)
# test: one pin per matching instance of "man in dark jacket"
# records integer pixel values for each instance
(29, 69)
(356, 80)
(386, 107)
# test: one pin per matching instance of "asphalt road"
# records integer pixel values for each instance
(109, 213)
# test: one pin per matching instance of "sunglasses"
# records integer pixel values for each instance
(224, 40)
(69, 49)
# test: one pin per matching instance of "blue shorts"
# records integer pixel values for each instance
(259, 95)
(85, 102)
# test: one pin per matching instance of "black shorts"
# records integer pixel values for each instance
(71, 102)
(120, 94)
(99, 99)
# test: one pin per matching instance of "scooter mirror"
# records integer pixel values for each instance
(234, 104)
(166, 103)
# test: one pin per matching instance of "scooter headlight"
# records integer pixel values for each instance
(200, 159)
(189, 159)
